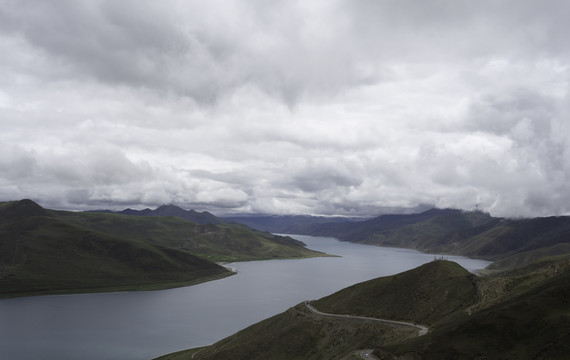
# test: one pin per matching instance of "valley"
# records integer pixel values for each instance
(146, 324)
(514, 308)
(471, 316)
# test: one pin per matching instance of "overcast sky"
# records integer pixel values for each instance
(289, 107)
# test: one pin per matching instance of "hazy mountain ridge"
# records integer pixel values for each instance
(522, 315)
(172, 210)
(287, 224)
(452, 231)
(43, 251)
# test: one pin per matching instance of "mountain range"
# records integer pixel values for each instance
(508, 242)
(516, 309)
(46, 251)
(288, 224)
(171, 210)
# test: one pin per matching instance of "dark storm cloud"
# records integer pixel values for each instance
(326, 107)
(317, 175)
(454, 30)
(183, 47)
(119, 43)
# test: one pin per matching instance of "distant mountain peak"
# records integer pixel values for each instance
(169, 206)
(174, 210)
(24, 207)
(439, 211)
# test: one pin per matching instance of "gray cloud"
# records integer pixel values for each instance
(346, 107)
(184, 47)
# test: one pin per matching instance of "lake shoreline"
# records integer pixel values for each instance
(121, 288)
(141, 325)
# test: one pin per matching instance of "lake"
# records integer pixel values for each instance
(143, 325)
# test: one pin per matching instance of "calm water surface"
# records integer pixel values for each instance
(143, 325)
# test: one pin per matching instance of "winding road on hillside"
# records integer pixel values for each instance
(422, 329)
(367, 354)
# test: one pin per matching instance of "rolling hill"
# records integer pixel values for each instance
(423, 295)
(48, 251)
(520, 314)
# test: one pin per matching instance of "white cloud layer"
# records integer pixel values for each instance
(324, 107)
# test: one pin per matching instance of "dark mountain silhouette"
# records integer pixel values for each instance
(287, 224)
(172, 210)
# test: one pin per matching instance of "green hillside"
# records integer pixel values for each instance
(226, 242)
(47, 251)
(521, 314)
(297, 334)
(469, 233)
(422, 295)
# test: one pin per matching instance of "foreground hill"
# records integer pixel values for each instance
(47, 251)
(515, 315)
(520, 315)
(423, 295)
(515, 242)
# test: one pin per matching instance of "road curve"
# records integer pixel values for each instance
(367, 354)
(422, 329)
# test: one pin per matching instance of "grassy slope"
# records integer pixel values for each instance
(515, 236)
(522, 314)
(41, 253)
(215, 242)
(44, 251)
(297, 334)
(527, 257)
(473, 234)
(401, 230)
(423, 295)
(442, 287)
